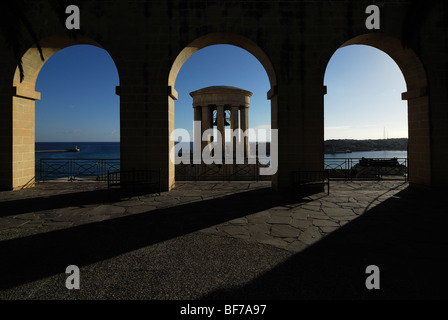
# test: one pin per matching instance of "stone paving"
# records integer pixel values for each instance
(213, 240)
(292, 226)
(297, 225)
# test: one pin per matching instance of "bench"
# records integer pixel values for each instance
(134, 180)
(377, 168)
(370, 162)
(303, 179)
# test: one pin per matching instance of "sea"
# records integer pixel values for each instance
(382, 154)
(111, 150)
(88, 150)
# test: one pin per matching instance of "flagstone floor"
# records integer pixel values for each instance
(216, 240)
(291, 225)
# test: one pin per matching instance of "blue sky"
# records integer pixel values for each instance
(78, 103)
(363, 100)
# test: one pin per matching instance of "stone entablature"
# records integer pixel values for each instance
(221, 95)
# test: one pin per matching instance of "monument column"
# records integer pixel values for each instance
(197, 136)
(205, 125)
(223, 99)
(197, 113)
(220, 124)
(234, 122)
(244, 126)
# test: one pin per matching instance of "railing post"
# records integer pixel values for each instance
(39, 169)
(257, 171)
(43, 168)
(407, 170)
(350, 168)
(70, 170)
(98, 169)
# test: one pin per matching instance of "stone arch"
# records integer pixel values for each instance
(222, 38)
(32, 62)
(23, 107)
(213, 39)
(419, 150)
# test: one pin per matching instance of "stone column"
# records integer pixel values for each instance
(197, 137)
(205, 125)
(234, 126)
(197, 113)
(22, 136)
(244, 126)
(220, 124)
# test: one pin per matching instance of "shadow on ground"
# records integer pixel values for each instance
(42, 255)
(405, 236)
(19, 206)
(64, 200)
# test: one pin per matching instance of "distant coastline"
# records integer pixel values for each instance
(341, 146)
(344, 145)
(352, 145)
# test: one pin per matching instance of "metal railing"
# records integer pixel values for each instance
(134, 179)
(72, 169)
(372, 169)
(220, 172)
(338, 168)
(308, 178)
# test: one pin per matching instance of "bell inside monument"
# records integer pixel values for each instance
(226, 118)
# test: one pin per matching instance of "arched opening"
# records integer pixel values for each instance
(220, 39)
(23, 115)
(215, 67)
(418, 152)
(365, 116)
(78, 101)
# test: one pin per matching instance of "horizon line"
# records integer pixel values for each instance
(357, 139)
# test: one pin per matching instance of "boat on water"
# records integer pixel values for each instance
(75, 149)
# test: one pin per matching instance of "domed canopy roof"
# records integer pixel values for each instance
(223, 89)
(221, 95)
